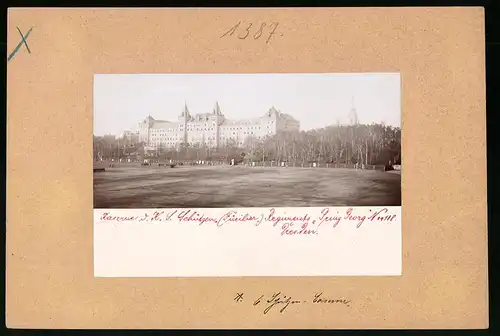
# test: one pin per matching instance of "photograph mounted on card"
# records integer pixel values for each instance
(242, 168)
(195, 173)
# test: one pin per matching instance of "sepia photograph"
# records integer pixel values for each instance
(246, 140)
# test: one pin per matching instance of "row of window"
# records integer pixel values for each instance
(160, 138)
(222, 137)
(239, 128)
(155, 136)
(209, 139)
(207, 128)
(165, 134)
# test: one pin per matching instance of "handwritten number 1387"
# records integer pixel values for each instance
(247, 31)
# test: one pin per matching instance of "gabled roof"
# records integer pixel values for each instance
(272, 112)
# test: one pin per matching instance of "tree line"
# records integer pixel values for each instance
(375, 144)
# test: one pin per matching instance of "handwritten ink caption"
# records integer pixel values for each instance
(280, 302)
(298, 224)
(243, 31)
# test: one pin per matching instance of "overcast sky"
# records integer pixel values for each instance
(316, 100)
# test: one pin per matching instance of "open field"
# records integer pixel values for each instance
(238, 186)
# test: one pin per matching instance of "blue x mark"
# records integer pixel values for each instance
(23, 41)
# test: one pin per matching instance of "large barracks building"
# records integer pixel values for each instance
(212, 129)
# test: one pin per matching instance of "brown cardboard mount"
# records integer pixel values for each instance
(440, 53)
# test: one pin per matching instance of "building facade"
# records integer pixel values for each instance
(129, 138)
(213, 130)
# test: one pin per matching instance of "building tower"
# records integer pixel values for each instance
(218, 118)
(185, 117)
(353, 115)
(217, 110)
(353, 121)
(149, 125)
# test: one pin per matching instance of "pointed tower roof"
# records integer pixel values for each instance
(353, 116)
(217, 110)
(185, 110)
(149, 120)
(273, 111)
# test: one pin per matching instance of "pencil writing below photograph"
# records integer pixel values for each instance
(231, 161)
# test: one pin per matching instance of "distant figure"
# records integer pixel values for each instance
(232, 162)
(389, 166)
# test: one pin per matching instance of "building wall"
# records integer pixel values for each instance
(213, 129)
(129, 138)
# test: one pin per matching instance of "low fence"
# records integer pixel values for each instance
(115, 164)
(200, 162)
(315, 165)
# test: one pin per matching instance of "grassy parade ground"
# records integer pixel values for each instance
(240, 186)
